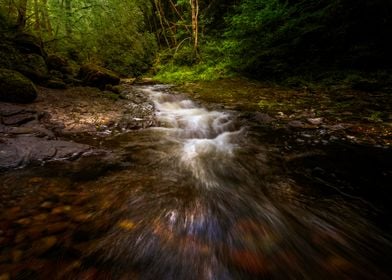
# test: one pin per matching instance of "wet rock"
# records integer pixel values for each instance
(263, 118)
(47, 205)
(24, 221)
(96, 76)
(57, 227)
(43, 245)
(19, 119)
(5, 276)
(126, 224)
(296, 124)
(14, 87)
(61, 209)
(315, 121)
(16, 256)
(22, 151)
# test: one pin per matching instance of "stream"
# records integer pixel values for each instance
(200, 196)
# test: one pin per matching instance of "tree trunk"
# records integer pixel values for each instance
(22, 14)
(68, 17)
(195, 23)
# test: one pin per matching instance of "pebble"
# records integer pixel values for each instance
(61, 209)
(126, 224)
(296, 124)
(43, 245)
(5, 276)
(57, 227)
(315, 121)
(16, 256)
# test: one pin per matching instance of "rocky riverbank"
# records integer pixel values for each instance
(50, 128)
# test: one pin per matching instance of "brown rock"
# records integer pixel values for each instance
(43, 245)
(57, 227)
(5, 276)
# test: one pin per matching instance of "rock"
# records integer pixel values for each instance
(34, 67)
(57, 227)
(14, 87)
(263, 118)
(16, 256)
(56, 75)
(96, 76)
(28, 43)
(5, 276)
(296, 124)
(17, 152)
(58, 63)
(315, 121)
(56, 84)
(18, 119)
(43, 245)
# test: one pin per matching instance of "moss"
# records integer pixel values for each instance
(14, 87)
(96, 76)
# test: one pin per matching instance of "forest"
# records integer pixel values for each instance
(199, 40)
(195, 139)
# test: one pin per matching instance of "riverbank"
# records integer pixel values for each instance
(65, 124)
(324, 114)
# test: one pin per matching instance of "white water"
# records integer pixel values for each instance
(203, 135)
(207, 204)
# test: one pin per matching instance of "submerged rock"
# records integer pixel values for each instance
(14, 87)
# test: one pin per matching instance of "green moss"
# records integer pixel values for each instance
(14, 87)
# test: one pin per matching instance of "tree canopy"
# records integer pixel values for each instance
(260, 38)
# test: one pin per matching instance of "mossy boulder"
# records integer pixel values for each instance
(33, 66)
(97, 76)
(27, 43)
(14, 87)
(58, 63)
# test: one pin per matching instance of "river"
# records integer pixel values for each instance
(200, 196)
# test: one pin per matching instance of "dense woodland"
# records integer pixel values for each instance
(197, 39)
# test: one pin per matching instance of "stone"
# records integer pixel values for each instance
(5, 276)
(57, 227)
(56, 84)
(16, 256)
(58, 63)
(28, 43)
(315, 121)
(14, 87)
(96, 76)
(18, 119)
(22, 151)
(296, 124)
(43, 245)
(34, 67)
(263, 118)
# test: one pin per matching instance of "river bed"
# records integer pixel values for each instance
(202, 195)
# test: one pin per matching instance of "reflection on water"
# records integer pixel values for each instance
(197, 198)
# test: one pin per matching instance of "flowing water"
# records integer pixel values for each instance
(198, 197)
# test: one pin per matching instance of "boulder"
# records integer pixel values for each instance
(28, 43)
(14, 87)
(58, 63)
(96, 76)
(56, 84)
(34, 67)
